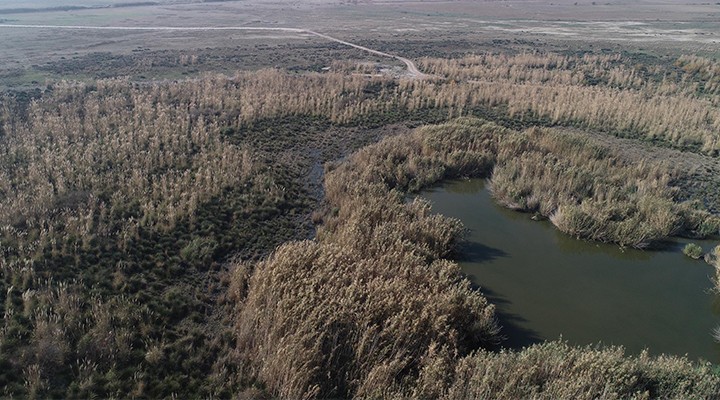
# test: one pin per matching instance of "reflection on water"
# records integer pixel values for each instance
(548, 285)
(469, 186)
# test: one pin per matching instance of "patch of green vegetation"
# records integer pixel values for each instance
(693, 251)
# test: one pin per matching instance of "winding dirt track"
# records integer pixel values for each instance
(413, 72)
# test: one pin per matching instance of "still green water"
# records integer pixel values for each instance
(547, 285)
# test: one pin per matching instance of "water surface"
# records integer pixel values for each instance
(547, 285)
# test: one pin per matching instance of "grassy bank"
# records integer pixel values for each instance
(585, 188)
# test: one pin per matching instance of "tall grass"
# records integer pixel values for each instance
(118, 201)
(605, 93)
(131, 196)
(586, 190)
(371, 308)
(713, 258)
(361, 307)
(583, 187)
(556, 370)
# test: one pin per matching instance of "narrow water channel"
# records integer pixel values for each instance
(547, 285)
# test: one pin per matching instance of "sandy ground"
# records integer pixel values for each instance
(681, 26)
(412, 71)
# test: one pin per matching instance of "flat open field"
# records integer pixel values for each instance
(406, 28)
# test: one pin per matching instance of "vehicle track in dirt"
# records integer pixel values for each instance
(412, 70)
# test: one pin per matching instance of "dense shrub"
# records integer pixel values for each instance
(585, 188)
(361, 307)
(693, 250)
(555, 370)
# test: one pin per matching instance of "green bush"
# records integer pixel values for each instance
(692, 250)
(199, 251)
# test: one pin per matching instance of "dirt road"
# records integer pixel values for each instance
(412, 70)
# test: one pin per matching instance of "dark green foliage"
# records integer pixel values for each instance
(692, 250)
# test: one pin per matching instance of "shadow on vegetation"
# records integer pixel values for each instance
(512, 335)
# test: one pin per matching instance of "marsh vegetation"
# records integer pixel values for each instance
(692, 250)
(368, 218)
(156, 239)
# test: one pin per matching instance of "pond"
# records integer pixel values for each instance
(547, 285)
